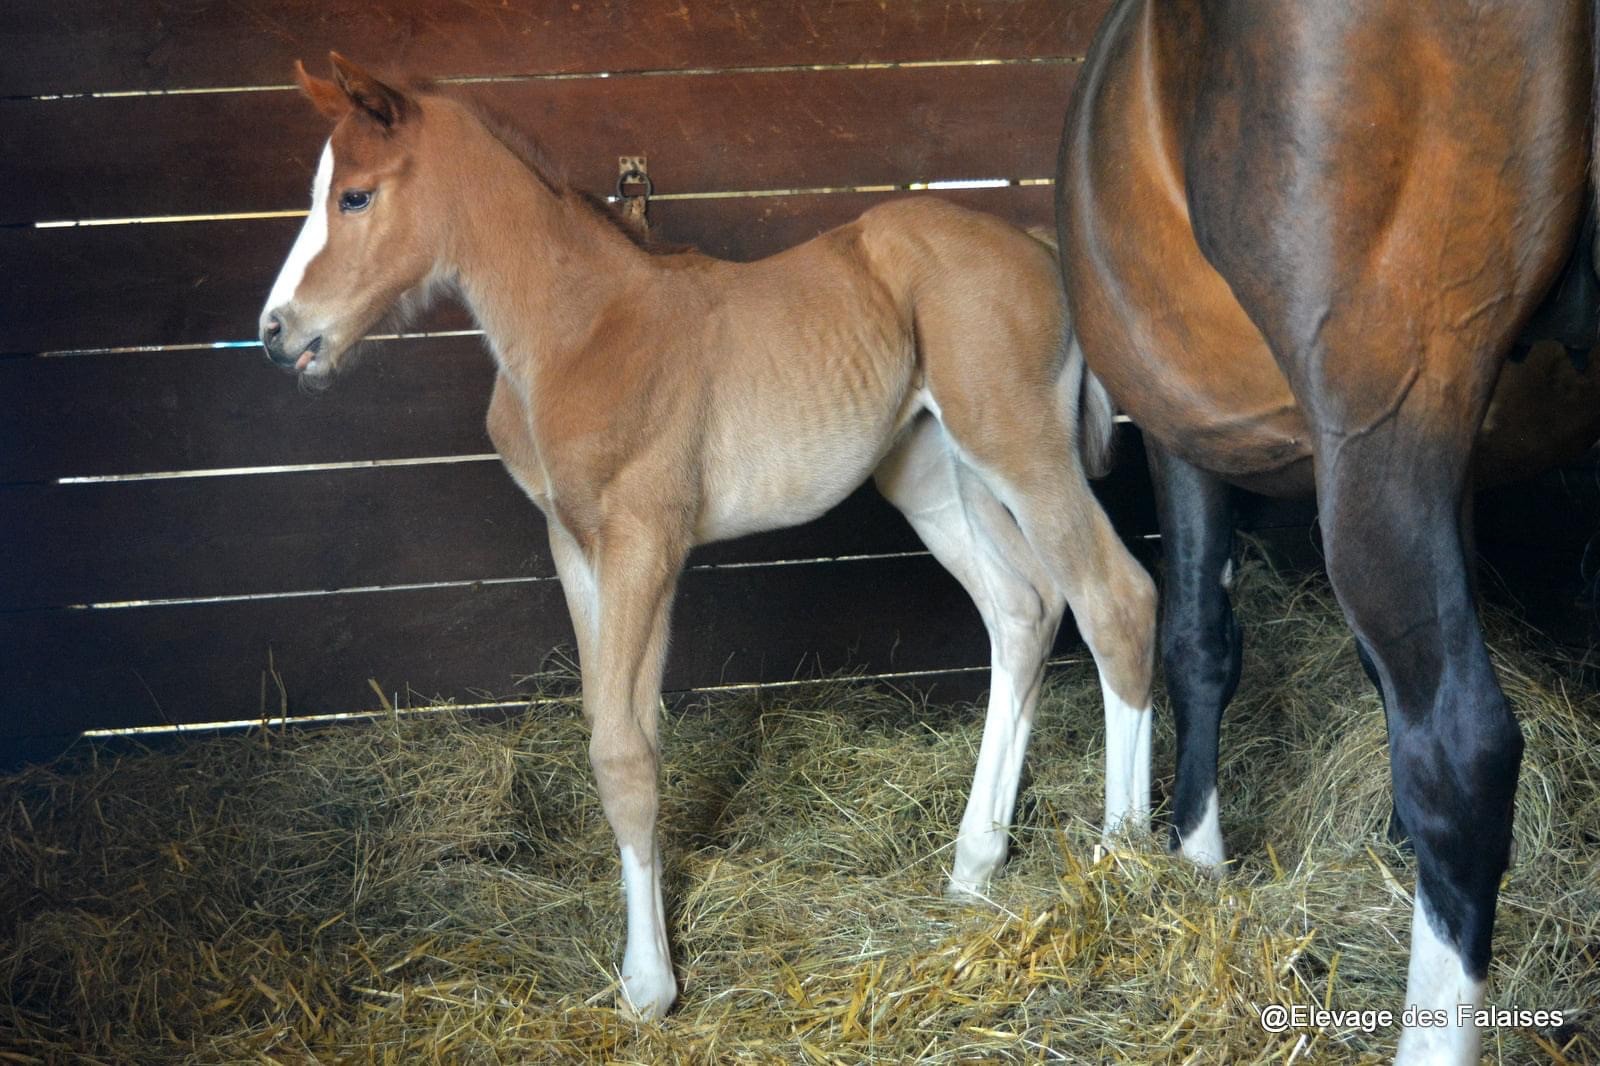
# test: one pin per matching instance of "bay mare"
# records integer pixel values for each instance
(1299, 240)
(649, 403)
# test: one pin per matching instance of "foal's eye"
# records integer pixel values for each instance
(354, 200)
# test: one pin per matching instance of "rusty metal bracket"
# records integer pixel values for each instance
(634, 170)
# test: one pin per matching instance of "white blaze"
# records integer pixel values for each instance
(313, 236)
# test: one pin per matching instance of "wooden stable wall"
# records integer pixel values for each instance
(175, 514)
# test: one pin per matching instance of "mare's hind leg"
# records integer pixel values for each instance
(1200, 641)
(968, 531)
(1396, 557)
(1397, 832)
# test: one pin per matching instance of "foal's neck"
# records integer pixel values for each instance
(535, 264)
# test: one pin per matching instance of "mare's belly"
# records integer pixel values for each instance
(1157, 323)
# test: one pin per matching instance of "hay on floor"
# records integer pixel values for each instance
(444, 889)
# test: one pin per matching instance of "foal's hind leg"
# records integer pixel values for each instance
(968, 531)
(1031, 464)
(1200, 641)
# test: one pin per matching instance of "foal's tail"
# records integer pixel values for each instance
(1097, 412)
(1097, 415)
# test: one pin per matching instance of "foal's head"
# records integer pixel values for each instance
(366, 243)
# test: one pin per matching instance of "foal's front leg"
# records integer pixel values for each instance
(630, 575)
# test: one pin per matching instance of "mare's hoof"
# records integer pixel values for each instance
(1206, 853)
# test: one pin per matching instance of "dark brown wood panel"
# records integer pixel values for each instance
(238, 152)
(68, 46)
(1557, 511)
(194, 282)
(198, 409)
(323, 530)
(127, 285)
(1553, 590)
(290, 532)
(1258, 513)
(314, 531)
(70, 670)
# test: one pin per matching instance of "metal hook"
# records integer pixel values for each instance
(633, 170)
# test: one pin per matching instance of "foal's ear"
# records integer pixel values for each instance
(323, 94)
(389, 107)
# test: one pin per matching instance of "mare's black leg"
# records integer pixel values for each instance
(1397, 829)
(1397, 832)
(1397, 558)
(1200, 641)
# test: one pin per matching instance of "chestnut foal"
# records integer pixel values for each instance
(651, 402)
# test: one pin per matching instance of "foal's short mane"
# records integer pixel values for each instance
(533, 155)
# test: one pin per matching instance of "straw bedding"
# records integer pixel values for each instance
(441, 888)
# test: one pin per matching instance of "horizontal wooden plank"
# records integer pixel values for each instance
(66, 46)
(71, 670)
(324, 530)
(111, 286)
(959, 685)
(198, 409)
(200, 282)
(315, 531)
(246, 535)
(183, 155)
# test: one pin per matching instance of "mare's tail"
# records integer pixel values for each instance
(1097, 412)
(1594, 116)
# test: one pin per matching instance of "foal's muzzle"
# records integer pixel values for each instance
(286, 346)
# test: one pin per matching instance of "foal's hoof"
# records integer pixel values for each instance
(646, 998)
(1111, 846)
(1133, 824)
(967, 889)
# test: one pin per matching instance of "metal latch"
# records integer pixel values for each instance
(633, 173)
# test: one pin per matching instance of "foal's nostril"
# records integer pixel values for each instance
(272, 339)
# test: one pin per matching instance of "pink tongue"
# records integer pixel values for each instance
(304, 360)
